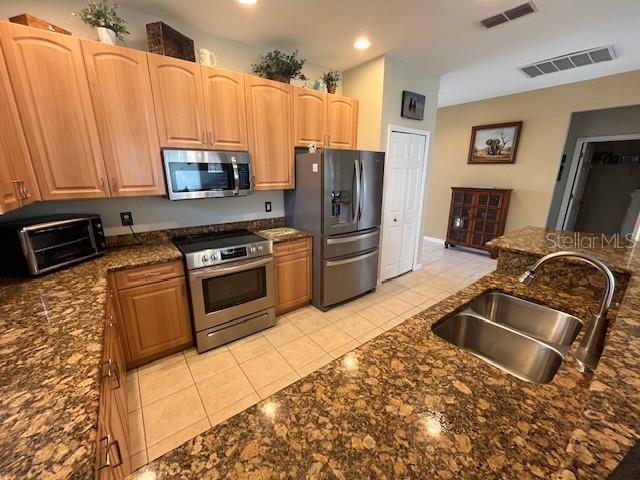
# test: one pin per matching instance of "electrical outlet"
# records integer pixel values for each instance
(126, 218)
(267, 206)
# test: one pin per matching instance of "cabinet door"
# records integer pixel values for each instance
(50, 84)
(342, 121)
(293, 281)
(17, 180)
(309, 116)
(177, 97)
(225, 109)
(123, 104)
(155, 319)
(269, 121)
(113, 449)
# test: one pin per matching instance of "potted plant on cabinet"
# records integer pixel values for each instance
(331, 79)
(105, 19)
(279, 66)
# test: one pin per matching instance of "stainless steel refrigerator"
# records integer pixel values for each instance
(338, 198)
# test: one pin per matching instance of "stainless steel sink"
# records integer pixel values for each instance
(518, 354)
(522, 338)
(538, 321)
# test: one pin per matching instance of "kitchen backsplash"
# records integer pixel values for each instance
(159, 213)
(165, 236)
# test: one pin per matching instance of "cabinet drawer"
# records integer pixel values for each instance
(149, 274)
(294, 246)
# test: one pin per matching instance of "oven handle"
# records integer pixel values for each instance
(218, 271)
(236, 176)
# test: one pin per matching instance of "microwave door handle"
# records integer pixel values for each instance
(218, 271)
(236, 176)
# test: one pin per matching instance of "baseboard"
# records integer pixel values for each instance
(433, 239)
(417, 266)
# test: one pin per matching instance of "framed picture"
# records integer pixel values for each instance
(494, 143)
(412, 105)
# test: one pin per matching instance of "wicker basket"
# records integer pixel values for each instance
(164, 40)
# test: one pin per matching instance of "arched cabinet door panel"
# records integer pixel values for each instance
(269, 121)
(225, 109)
(123, 103)
(342, 122)
(178, 101)
(52, 93)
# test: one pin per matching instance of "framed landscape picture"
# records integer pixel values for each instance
(494, 143)
(412, 105)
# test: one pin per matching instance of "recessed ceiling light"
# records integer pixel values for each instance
(362, 43)
(248, 2)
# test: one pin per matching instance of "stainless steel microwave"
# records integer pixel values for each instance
(43, 244)
(206, 173)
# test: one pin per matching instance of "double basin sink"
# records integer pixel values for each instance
(522, 338)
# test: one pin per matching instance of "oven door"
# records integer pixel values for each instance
(224, 293)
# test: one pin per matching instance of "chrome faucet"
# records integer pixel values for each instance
(592, 344)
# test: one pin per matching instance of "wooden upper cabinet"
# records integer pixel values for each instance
(269, 121)
(17, 180)
(178, 100)
(123, 104)
(52, 93)
(225, 109)
(342, 121)
(309, 116)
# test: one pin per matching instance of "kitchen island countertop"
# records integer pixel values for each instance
(410, 405)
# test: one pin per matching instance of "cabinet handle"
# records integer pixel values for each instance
(211, 142)
(23, 189)
(204, 137)
(151, 274)
(107, 458)
(114, 183)
(101, 183)
(19, 190)
(116, 372)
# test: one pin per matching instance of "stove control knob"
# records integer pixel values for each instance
(259, 248)
(205, 258)
(214, 256)
(253, 250)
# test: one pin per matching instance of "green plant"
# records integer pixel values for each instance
(101, 14)
(277, 65)
(331, 77)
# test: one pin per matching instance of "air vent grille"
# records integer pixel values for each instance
(508, 15)
(568, 61)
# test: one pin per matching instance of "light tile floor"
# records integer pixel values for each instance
(180, 396)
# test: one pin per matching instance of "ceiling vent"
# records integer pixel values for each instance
(571, 60)
(508, 15)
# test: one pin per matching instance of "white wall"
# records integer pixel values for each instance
(156, 213)
(366, 82)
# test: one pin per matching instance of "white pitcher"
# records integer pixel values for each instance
(207, 57)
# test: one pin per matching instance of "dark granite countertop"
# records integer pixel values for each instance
(283, 234)
(51, 342)
(410, 405)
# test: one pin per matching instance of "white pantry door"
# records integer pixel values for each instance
(402, 192)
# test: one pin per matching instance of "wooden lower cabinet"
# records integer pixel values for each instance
(155, 314)
(293, 274)
(113, 459)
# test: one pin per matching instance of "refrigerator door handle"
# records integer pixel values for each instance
(356, 201)
(362, 188)
(359, 258)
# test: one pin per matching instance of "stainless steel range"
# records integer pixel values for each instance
(231, 285)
